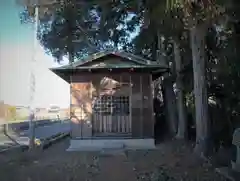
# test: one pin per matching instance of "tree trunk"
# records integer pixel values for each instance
(182, 122)
(170, 105)
(200, 89)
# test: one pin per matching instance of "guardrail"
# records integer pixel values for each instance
(20, 126)
(44, 135)
(53, 130)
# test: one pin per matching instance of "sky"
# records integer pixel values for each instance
(16, 53)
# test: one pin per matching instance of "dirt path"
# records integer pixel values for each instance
(171, 161)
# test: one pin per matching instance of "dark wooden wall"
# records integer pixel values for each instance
(142, 106)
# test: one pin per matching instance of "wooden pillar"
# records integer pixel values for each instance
(147, 103)
(141, 108)
(152, 117)
(130, 103)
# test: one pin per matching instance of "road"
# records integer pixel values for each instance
(41, 132)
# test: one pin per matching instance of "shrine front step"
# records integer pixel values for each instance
(114, 144)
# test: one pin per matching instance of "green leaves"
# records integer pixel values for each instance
(83, 27)
(196, 12)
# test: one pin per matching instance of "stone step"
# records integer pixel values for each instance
(113, 145)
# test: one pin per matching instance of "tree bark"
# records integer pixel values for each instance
(200, 89)
(170, 105)
(182, 122)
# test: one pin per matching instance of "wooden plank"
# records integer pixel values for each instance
(128, 124)
(110, 123)
(135, 105)
(126, 81)
(119, 124)
(114, 118)
(151, 103)
(104, 123)
(123, 125)
(100, 119)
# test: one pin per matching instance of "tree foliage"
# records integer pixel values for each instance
(84, 28)
(12, 113)
(103, 24)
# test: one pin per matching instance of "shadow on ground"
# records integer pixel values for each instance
(172, 160)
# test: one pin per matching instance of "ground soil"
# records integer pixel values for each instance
(172, 160)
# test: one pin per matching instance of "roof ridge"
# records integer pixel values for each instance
(137, 57)
(90, 57)
(120, 53)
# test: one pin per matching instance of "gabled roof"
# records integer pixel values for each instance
(134, 59)
(127, 61)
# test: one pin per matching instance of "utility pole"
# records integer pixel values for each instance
(33, 81)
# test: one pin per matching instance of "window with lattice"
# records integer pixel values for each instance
(111, 105)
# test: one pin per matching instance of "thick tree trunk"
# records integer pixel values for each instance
(182, 122)
(200, 89)
(170, 105)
